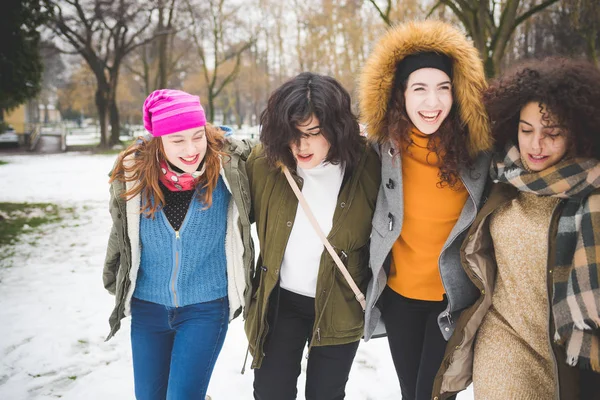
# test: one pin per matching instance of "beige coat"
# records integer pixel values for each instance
(478, 261)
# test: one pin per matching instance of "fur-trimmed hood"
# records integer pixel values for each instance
(376, 81)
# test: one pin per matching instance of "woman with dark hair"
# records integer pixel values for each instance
(420, 96)
(298, 294)
(533, 332)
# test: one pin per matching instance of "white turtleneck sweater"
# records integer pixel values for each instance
(302, 256)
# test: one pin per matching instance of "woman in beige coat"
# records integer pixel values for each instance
(532, 251)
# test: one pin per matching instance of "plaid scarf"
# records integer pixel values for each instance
(576, 273)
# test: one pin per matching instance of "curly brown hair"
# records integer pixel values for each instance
(449, 141)
(570, 91)
(293, 103)
(139, 163)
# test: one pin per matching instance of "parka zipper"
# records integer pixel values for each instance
(176, 268)
(317, 332)
(449, 318)
(263, 328)
(178, 249)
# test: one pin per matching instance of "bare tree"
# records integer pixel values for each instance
(74, 100)
(585, 17)
(213, 29)
(103, 33)
(384, 13)
(159, 61)
(545, 35)
(491, 24)
(52, 77)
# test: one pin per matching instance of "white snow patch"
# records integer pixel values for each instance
(54, 309)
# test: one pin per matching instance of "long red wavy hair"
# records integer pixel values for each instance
(139, 163)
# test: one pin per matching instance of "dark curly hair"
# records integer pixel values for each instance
(570, 91)
(293, 103)
(450, 140)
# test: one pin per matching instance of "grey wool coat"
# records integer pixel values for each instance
(376, 87)
(387, 225)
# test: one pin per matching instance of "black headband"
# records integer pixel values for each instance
(417, 61)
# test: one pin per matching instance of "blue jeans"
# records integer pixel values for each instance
(175, 349)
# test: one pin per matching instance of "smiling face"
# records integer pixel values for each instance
(313, 147)
(428, 99)
(185, 149)
(542, 142)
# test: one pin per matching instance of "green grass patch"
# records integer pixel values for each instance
(3, 162)
(15, 218)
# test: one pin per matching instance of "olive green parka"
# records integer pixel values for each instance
(338, 315)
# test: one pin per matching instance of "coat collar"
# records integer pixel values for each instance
(474, 179)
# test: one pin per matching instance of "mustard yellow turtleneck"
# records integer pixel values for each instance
(430, 213)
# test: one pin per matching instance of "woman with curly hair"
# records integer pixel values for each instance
(532, 251)
(299, 296)
(179, 253)
(421, 98)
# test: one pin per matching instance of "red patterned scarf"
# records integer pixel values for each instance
(175, 181)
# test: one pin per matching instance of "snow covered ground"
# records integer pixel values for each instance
(54, 310)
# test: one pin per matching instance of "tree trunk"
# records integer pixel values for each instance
(238, 109)
(162, 48)
(211, 106)
(115, 126)
(113, 108)
(146, 67)
(591, 48)
(102, 107)
(490, 68)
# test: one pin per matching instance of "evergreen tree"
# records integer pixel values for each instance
(20, 61)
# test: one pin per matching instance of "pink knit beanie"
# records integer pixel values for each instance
(168, 111)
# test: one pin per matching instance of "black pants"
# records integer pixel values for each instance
(291, 329)
(416, 343)
(589, 384)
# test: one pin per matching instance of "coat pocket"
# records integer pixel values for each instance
(345, 313)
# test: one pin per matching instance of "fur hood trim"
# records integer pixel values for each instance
(376, 81)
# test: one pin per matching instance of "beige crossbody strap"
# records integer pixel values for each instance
(357, 293)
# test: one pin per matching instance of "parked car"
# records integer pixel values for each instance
(9, 136)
